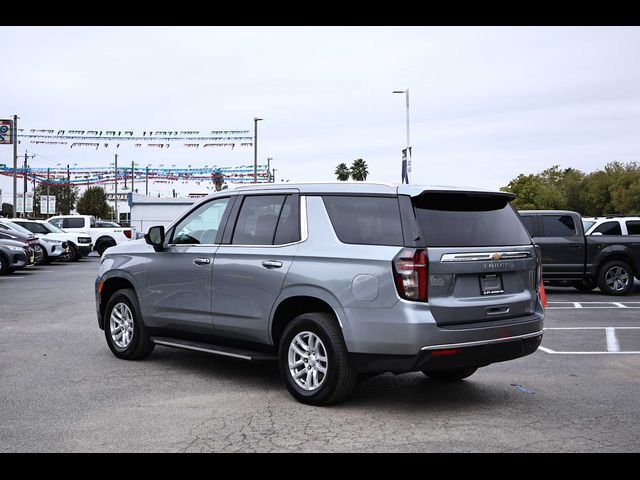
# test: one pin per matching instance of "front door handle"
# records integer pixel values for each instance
(201, 261)
(271, 264)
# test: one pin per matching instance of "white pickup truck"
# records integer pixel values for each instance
(101, 238)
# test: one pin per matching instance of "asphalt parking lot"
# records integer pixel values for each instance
(62, 390)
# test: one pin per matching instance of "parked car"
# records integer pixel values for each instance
(618, 225)
(14, 255)
(17, 233)
(107, 224)
(332, 280)
(101, 238)
(609, 262)
(78, 245)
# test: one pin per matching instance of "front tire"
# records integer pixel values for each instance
(3, 266)
(615, 278)
(124, 329)
(103, 245)
(314, 361)
(449, 375)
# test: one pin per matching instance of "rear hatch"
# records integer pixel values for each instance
(482, 264)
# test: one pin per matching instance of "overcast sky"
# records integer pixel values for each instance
(487, 103)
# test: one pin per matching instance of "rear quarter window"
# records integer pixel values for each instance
(609, 228)
(633, 227)
(469, 220)
(558, 226)
(365, 220)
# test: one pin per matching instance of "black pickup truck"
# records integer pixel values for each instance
(569, 257)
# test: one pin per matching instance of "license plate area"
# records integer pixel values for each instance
(491, 284)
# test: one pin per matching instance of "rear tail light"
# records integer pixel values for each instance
(410, 274)
(445, 352)
(127, 233)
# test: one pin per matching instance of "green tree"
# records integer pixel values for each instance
(94, 202)
(359, 170)
(7, 209)
(342, 172)
(66, 198)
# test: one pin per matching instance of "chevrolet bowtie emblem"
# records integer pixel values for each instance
(496, 256)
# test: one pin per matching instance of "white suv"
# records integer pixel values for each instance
(79, 245)
(611, 225)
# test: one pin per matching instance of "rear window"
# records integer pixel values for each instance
(365, 220)
(73, 222)
(587, 224)
(558, 226)
(469, 220)
(609, 228)
(633, 227)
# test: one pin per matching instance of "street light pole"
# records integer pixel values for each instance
(406, 92)
(274, 175)
(255, 148)
(146, 182)
(269, 169)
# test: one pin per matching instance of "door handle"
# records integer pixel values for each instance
(271, 264)
(201, 261)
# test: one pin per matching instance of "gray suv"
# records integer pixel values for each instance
(333, 281)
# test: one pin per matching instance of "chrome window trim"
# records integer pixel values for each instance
(483, 342)
(304, 234)
(484, 256)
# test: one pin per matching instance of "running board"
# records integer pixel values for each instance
(227, 351)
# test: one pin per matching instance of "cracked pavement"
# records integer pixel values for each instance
(62, 390)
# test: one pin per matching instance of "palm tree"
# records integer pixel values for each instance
(359, 170)
(342, 172)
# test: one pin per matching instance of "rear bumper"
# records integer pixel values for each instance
(465, 357)
(84, 248)
(408, 328)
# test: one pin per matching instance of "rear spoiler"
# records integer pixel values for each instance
(472, 193)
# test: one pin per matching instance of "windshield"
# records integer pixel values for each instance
(52, 228)
(17, 227)
(587, 224)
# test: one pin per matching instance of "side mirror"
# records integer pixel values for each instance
(155, 237)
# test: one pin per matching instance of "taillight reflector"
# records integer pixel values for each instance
(127, 233)
(447, 351)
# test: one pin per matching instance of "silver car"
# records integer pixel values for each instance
(331, 280)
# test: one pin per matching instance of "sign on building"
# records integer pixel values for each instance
(6, 132)
(121, 197)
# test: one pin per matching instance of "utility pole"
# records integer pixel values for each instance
(115, 198)
(15, 165)
(24, 192)
(269, 169)
(274, 175)
(48, 176)
(68, 189)
(133, 173)
(146, 182)
(255, 148)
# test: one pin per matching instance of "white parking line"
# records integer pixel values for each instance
(613, 347)
(569, 305)
(612, 340)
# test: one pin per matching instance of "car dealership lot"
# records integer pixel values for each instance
(61, 389)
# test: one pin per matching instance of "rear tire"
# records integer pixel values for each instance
(340, 376)
(615, 278)
(102, 246)
(449, 375)
(124, 329)
(3, 265)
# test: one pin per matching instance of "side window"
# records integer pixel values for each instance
(288, 229)
(201, 225)
(92, 222)
(257, 220)
(73, 222)
(56, 222)
(633, 227)
(558, 226)
(530, 222)
(365, 220)
(609, 228)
